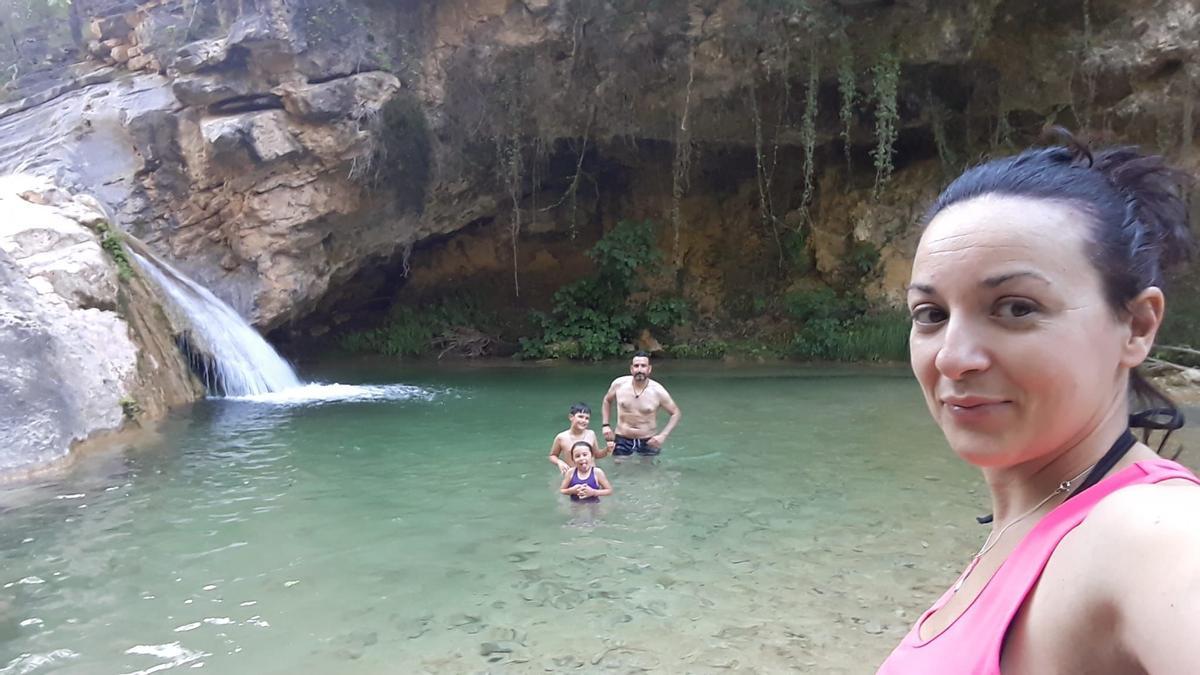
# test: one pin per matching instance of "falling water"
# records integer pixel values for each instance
(242, 362)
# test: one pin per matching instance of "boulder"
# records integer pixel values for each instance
(72, 366)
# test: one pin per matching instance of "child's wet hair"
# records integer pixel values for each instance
(580, 407)
(584, 444)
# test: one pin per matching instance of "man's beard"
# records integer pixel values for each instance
(639, 376)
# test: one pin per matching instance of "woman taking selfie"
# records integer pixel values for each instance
(1036, 291)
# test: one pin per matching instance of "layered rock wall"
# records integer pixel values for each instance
(306, 158)
(86, 348)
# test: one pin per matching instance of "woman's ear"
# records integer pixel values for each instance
(1145, 315)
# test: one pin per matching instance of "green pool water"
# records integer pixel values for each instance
(798, 520)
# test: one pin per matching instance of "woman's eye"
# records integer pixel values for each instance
(927, 315)
(1015, 308)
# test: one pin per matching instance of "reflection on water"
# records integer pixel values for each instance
(798, 519)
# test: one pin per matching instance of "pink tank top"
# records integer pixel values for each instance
(971, 644)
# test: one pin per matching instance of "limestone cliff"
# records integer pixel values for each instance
(85, 346)
(314, 161)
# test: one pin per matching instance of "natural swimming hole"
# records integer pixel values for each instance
(798, 520)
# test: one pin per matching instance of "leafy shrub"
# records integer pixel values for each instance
(842, 328)
(592, 317)
(410, 331)
(861, 259)
(664, 313)
(870, 337)
(806, 305)
(708, 349)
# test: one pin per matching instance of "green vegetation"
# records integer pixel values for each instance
(416, 331)
(808, 128)
(666, 313)
(842, 328)
(704, 349)
(846, 94)
(861, 259)
(593, 318)
(110, 241)
(887, 117)
(130, 407)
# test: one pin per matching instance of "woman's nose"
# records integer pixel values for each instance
(963, 350)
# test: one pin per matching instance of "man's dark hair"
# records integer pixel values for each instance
(641, 352)
(580, 407)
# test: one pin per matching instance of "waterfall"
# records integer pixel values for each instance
(241, 362)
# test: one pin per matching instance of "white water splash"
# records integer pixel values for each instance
(244, 363)
(317, 392)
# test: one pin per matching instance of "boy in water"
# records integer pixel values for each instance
(587, 482)
(579, 416)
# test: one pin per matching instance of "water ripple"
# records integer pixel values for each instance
(28, 663)
(173, 653)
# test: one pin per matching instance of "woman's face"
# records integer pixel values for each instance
(1012, 341)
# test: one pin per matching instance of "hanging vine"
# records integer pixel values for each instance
(768, 218)
(682, 161)
(573, 189)
(887, 118)
(846, 96)
(508, 152)
(535, 177)
(780, 121)
(808, 129)
(1089, 71)
(406, 258)
(1189, 108)
(937, 123)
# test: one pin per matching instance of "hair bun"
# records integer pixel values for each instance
(1155, 194)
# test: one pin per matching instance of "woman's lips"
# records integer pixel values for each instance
(974, 408)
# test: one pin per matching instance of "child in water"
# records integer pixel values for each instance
(587, 482)
(579, 416)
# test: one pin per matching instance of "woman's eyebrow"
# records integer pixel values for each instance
(999, 279)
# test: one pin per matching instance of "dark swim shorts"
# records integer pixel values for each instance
(625, 447)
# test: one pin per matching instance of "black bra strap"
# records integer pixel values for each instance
(1107, 462)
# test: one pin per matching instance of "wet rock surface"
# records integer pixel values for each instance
(78, 359)
(297, 156)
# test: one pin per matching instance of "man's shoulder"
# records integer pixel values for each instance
(624, 379)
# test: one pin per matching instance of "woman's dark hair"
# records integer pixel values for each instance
(1138, 221)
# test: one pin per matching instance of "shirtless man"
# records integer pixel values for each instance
(638, 399)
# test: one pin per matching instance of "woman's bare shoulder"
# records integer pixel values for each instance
(1136, 509)
(1143, 527)
(1143, 552)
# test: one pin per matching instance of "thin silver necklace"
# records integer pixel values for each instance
(989, 543)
